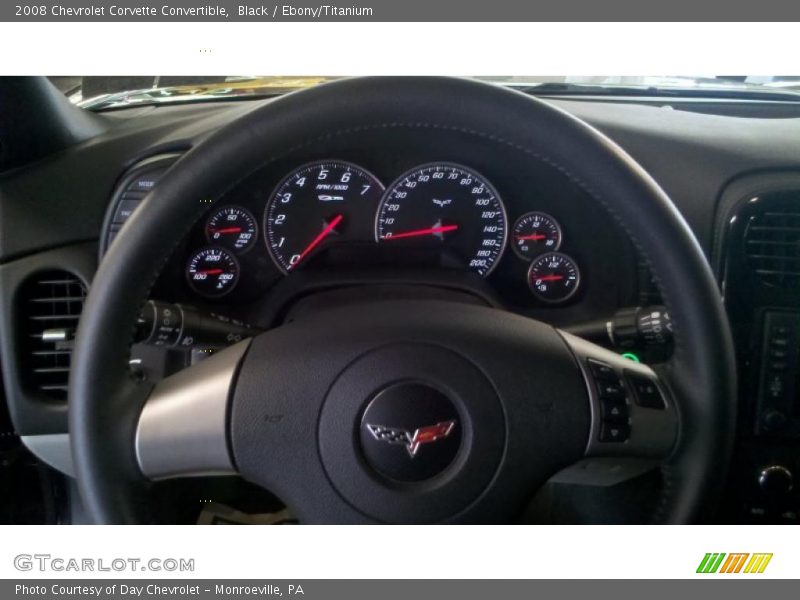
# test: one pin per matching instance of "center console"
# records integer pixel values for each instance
(758, 264)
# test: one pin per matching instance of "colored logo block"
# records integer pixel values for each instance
(737, 562)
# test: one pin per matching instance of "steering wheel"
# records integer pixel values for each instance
(404, 410)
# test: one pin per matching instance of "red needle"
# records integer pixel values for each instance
(416, 232)
(328, 228)
(210, 271)
(227, 230)
(550, 278)
(535, 236)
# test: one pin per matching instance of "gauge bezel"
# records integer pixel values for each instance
(238, 207)
(404, 175)
(198, 251)
(535, 256)
(536, 292)
(273, 195)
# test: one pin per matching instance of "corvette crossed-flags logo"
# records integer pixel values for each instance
(412, 440)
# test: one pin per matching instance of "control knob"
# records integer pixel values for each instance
(776, 480)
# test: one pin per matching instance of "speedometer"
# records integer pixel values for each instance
(446, 206)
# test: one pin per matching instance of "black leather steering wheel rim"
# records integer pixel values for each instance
(104, 400)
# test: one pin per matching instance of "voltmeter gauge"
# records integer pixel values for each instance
(212, 272)
(535, 233)
(554, 277)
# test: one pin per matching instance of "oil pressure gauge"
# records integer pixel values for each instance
(232, 227)
(554, 277)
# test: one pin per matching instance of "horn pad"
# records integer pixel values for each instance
(400, 421)
(425, 437)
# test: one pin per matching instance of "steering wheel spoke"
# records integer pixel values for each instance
(183, 429)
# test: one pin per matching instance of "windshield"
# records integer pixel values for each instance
(100, 92)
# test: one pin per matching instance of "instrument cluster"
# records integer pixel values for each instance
(442, 209)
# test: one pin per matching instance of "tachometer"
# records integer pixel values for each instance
(233, 227)
(212, 272)
(318, 204)
(447, 206)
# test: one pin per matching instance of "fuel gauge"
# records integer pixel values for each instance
(554, 277)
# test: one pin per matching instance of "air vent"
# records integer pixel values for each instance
(772, 245)
(50, 304)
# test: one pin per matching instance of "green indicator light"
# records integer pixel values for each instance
(631, 356)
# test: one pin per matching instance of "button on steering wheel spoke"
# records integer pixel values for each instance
(632, 413)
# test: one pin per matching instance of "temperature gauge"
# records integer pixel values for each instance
(535, 233)
(554, 277)
(232, 227)
(212, 272)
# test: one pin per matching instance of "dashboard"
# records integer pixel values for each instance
(432, 202)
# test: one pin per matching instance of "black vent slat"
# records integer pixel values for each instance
(774, 272)
(772, 256)
(61, 299)
(772, 228)
(771, 242)
(50, 305)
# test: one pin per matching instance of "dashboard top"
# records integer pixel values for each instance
(692, 155)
